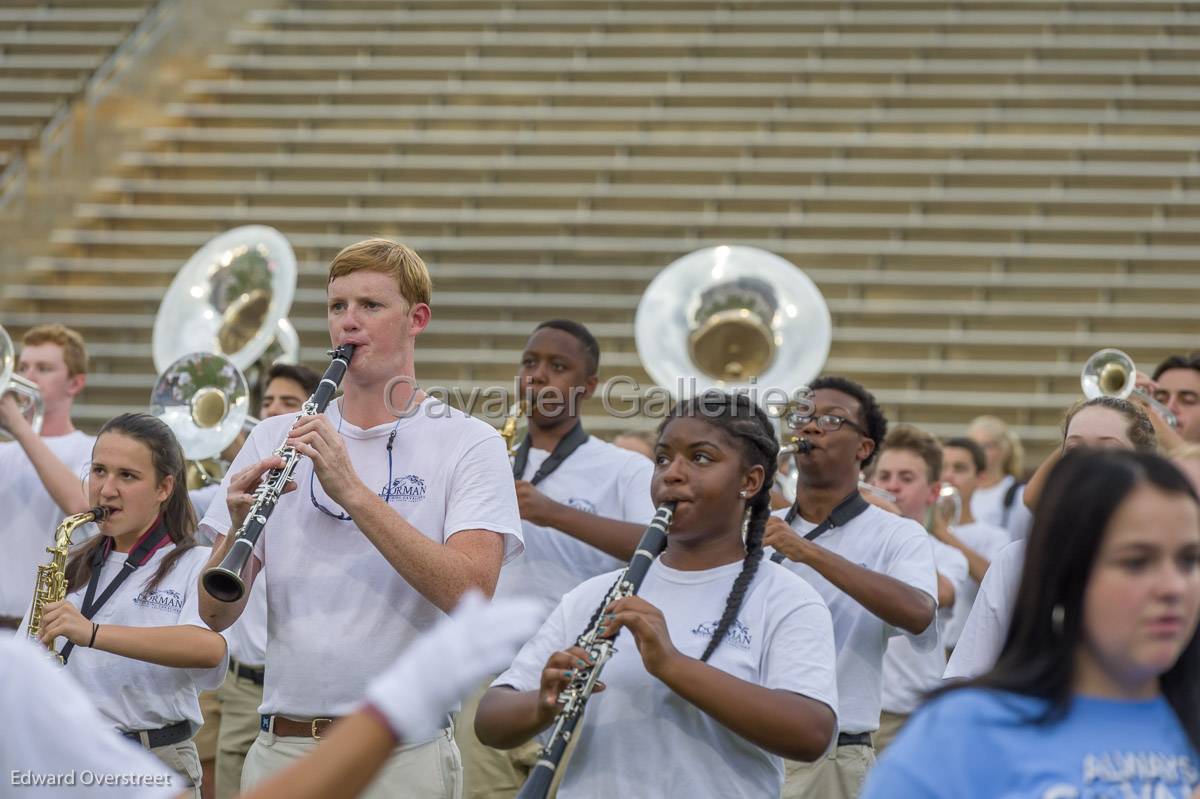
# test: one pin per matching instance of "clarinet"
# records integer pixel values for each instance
(225, 582)
(574, 697)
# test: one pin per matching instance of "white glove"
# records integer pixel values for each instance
(477, 640)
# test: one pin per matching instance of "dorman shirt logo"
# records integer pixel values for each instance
(738, 634)
(167, 600)
(408, 488)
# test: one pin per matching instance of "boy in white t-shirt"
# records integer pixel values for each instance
(908, 467)
(42, 474)
(584, 503)
(399, 506)
(875, 571)
(963, 462)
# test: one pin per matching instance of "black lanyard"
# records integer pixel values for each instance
(846, 511)
(137, 557)
(568, 444)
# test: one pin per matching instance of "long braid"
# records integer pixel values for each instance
(746, 422)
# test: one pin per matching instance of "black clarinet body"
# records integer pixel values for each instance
(575, 696)
(225, 581)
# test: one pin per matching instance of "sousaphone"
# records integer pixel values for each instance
(734, 317)
(231, 298)
(203, 397)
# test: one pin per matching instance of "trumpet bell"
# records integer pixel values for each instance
(949, 504)
(229, 298)
(28, 395)
(732, 317)
(1108, 373)
(204, 399)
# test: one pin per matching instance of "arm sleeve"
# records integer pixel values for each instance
(205, 679)
(800, 656)
(912, 563)
(482, 495)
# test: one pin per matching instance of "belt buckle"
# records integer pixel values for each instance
(316, 736)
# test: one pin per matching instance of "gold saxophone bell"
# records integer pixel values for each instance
(508, 430)
(51, 585)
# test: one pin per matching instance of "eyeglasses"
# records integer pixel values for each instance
(827, 421)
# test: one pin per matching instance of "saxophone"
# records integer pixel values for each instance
(509, 431)
(52, 577)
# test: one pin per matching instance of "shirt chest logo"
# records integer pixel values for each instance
(738, 634)
(167, 600)
(578, 503)
(408, 488)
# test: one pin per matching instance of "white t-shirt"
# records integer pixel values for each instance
(337, 612)
(598, 478)
(202, 497)
(637, 728)
(987, 540)
(54, 731)
(31, 516)
(133, 694)
(986, 628)
(246, 637)
(987, 505)
(889, 544)
(908, 675)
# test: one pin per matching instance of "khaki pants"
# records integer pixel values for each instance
(838, 775)
(206, 738)
(889, 726)
(183, 760)
(490, 773)
(431, 770)
(239, 699)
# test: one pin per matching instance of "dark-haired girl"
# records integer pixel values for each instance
(724, 662)
(139, 648)
(1096, 691)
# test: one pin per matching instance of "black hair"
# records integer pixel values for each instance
(746, 423)
(1189, 361)
(591, 347)
(872, 418)
(178, 514)
(1083, 492)
(302, 375)
(977, 454)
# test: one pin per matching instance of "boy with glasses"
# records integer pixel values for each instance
(874, 569)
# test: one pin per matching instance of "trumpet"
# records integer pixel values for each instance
(28, 395)
(1112, 373)
(225, 581)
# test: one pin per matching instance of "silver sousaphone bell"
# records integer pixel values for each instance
(734, 317)
(204, 399)
(231, 298)
(27, 394)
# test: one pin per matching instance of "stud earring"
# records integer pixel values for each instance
(742, 494)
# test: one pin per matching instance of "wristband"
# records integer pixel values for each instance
(95, 628)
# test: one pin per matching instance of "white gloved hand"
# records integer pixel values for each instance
(445, 664)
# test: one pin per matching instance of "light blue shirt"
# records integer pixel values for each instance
(976, 743)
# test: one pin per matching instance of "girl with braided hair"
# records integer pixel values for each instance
(725, 661)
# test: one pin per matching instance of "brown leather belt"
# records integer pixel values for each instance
(295, 728)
